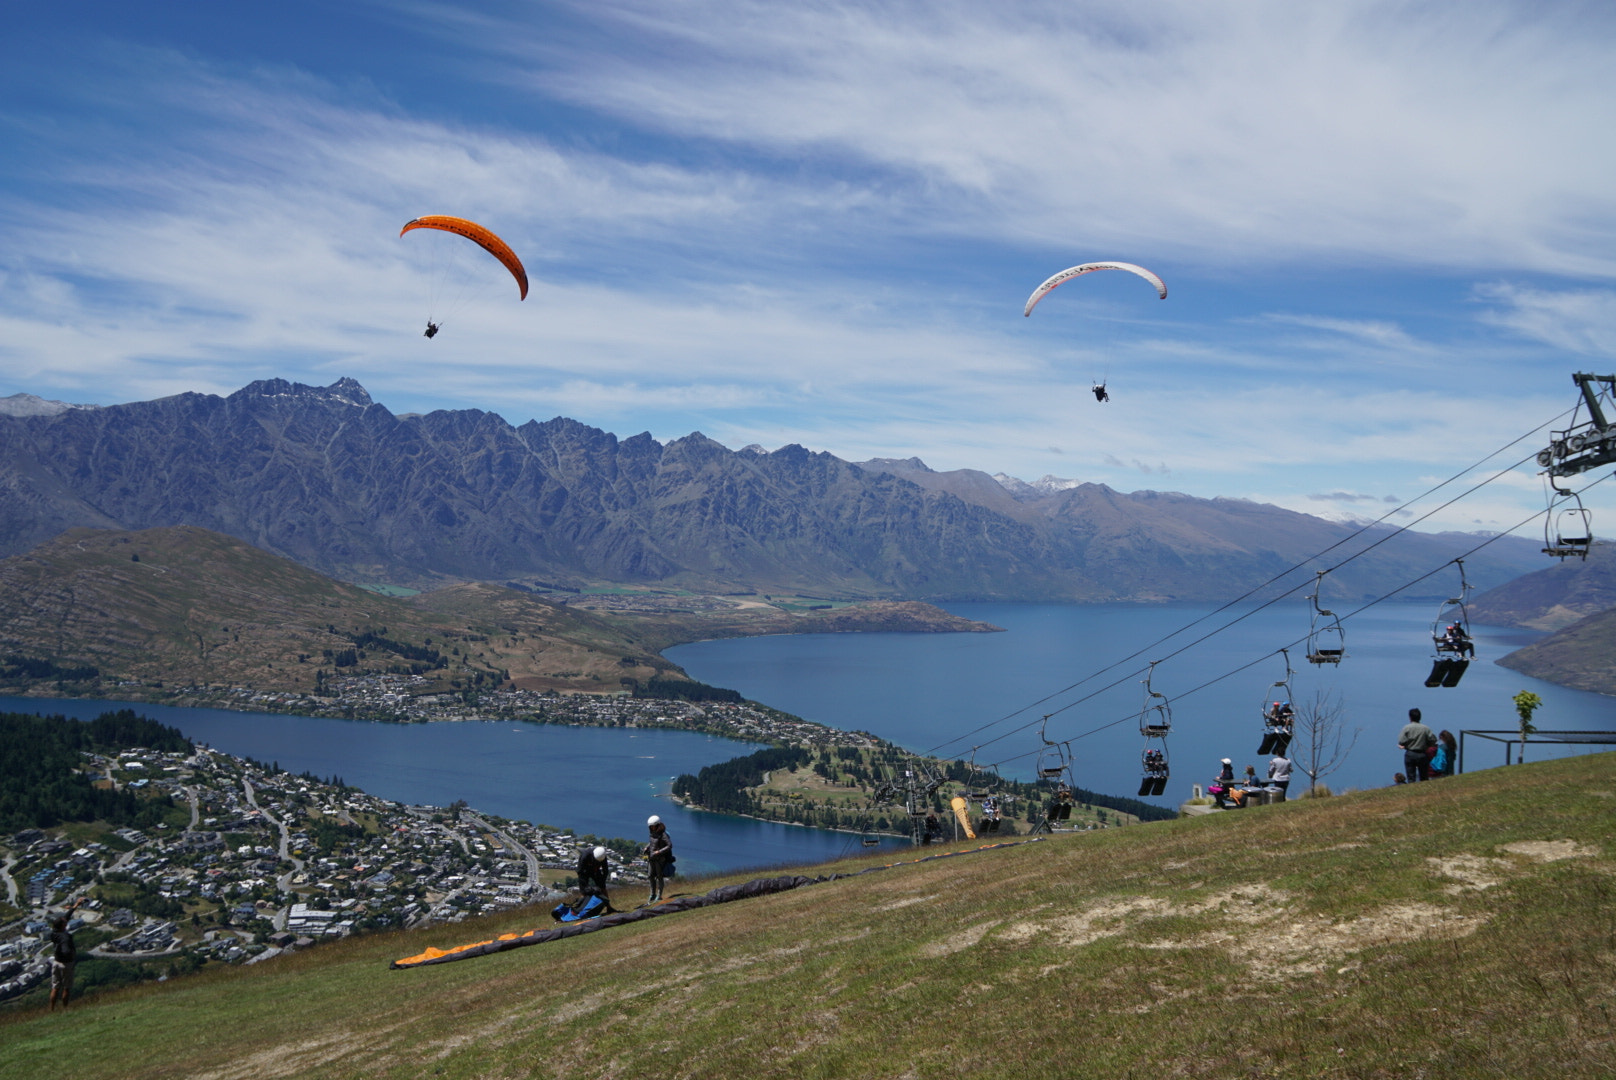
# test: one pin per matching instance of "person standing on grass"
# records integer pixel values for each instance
(659, 852)
(1279, 772)
(1447, 755)
(64, 958)
(1416, 740)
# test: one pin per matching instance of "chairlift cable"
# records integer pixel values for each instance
(1276, 599)
(1258, 588)
(1299, 641)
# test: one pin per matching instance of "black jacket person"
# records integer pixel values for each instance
(593, 872)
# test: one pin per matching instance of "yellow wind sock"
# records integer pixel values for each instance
(960, 806)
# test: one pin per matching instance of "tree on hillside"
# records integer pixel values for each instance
(1526, 703)
(1322, 739)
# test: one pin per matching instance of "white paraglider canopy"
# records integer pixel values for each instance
(1067, 275)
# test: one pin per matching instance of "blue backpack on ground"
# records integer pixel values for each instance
(588, 908)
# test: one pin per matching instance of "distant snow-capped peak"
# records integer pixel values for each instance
(1047, 485)
(29, 405)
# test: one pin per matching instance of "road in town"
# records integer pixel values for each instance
(511, 844)
(284, 882)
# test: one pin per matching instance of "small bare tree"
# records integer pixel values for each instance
(1322, 740)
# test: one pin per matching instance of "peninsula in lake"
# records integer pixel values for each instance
(1576, 599)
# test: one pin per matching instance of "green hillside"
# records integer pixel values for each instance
(1463, 928)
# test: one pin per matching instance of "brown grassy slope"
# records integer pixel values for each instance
(1554, 597)
(200, 607)
(1463, 928)
(1581, 656)
(756, 619)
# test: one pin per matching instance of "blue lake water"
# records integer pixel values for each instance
(929, 690)
(924, 691)
(605, 781)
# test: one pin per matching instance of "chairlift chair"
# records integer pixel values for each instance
(1055, 769)
(1278, 716)
(1326, 639)
(1156, 718)
(1567, 526)
(985, 795)
(1452, 646)
(1155, 722)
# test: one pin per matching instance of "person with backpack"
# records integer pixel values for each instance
(1446, 756)
(64, 958)
(659, 853)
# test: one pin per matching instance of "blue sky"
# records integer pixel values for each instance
(1387, 228)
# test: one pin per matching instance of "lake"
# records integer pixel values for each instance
(928, 691)
(924, 691)
(605, 781)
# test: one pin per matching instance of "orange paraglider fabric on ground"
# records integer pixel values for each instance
(722, 895)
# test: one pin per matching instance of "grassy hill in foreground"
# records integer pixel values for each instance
(1464, 928)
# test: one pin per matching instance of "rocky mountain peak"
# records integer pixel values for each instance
(345, 391)
(30, 405)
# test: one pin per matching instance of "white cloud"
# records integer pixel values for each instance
(1368, 131)
(1375, 332)
(1581, 321)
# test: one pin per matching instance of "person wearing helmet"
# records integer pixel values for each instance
(1220, 788)
(659, 853)
(593, 871)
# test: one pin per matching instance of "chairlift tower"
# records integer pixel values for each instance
(1587, 444)
(1590, 443)
(914, 790)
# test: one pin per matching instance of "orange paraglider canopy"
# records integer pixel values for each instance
(478, 235)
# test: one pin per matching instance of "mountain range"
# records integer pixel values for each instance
(329, 478)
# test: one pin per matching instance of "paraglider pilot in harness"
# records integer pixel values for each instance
(1099, 393)
(431, 329)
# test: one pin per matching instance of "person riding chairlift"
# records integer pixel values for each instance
(990, 814)
(1456, 640)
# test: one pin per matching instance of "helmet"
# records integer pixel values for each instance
(653, 820)
(1226, 761)
(599, 853)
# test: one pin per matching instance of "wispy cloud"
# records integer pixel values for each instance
(1374, 332)
(1356, 132)
(1352, 497)
(1581, 321)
